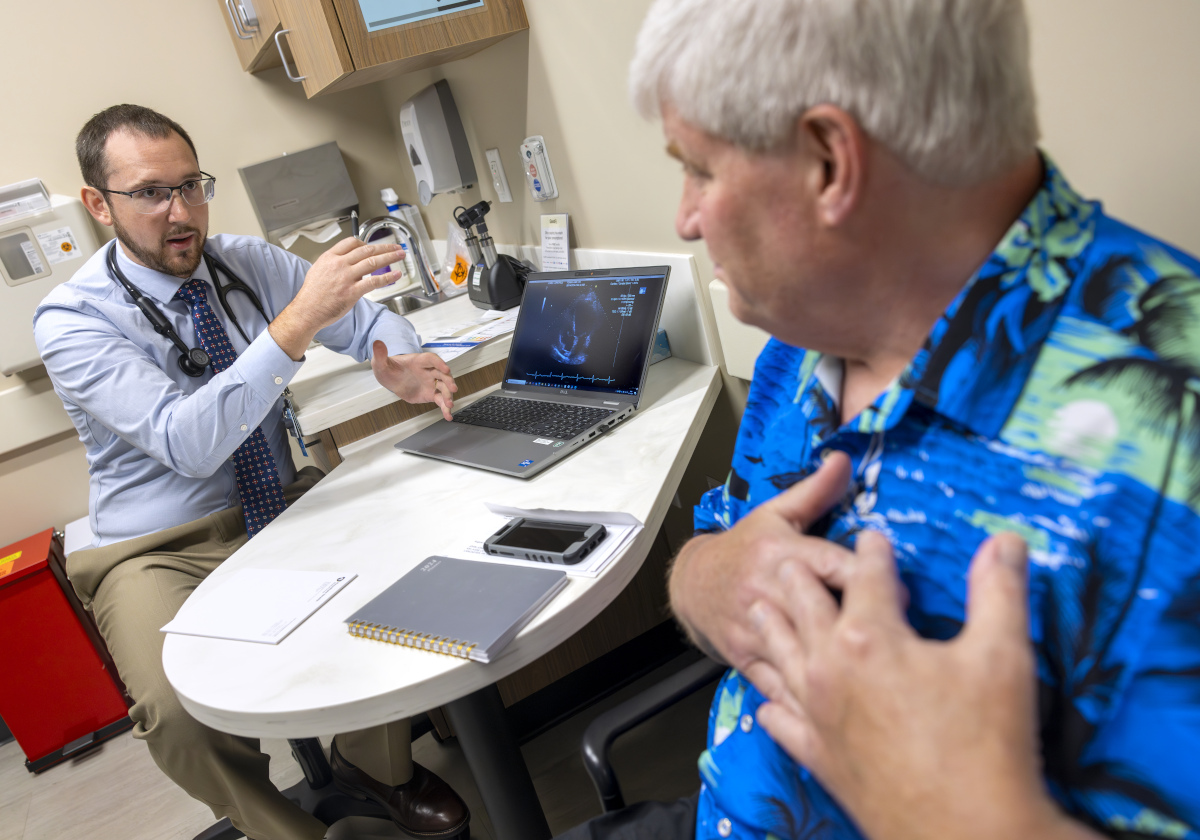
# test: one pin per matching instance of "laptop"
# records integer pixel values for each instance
(580, 351)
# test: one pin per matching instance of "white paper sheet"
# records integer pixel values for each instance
(257, 605)
(465, 337)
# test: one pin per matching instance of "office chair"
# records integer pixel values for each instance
(598, 738)
(317, 794)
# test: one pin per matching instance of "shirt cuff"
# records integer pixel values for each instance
(399, 336)
(266, 368)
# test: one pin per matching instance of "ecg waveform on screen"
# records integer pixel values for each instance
(571, 377)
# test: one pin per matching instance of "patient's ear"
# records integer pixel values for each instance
(837, 147)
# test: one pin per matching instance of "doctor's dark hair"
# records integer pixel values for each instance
(89, 145)
(945, 85)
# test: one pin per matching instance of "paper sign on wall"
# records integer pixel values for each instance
(555, 236)
(382, 14)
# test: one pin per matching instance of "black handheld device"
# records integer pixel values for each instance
(565, 543)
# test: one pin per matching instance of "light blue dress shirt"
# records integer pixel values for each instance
(158, 441)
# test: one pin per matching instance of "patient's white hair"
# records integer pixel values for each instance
(944, 84)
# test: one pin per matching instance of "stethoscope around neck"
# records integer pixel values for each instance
(192, 360)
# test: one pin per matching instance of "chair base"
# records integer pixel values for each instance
(327, 803)
(316, 794)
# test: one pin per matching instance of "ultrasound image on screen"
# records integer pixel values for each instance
(589, 334)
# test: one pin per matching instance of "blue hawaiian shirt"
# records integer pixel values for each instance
(1057, 397)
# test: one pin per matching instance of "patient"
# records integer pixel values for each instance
(988, 366)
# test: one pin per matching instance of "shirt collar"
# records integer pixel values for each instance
(975, 361)
(155, 284)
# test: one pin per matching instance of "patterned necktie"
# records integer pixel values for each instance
(254, 465)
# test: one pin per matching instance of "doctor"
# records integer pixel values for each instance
(187, 451)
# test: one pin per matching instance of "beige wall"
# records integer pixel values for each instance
(1119, 107)
(1115, 81)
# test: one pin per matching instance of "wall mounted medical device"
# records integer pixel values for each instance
(497, 281)
(298, 189)
(539, 177)
(435, 143)
(44, 239)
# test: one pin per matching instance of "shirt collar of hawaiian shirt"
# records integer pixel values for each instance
(162, 287)
(993, 329)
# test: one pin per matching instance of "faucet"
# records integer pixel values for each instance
(428, 285)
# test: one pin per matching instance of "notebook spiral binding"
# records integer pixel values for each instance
(421, 641)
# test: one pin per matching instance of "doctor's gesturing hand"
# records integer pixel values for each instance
(336, 281)
(415, 377)
(914, 738)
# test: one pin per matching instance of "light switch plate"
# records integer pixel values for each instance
(499, 180)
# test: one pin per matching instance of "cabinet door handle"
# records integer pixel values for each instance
(248, 15)
(237, 24)
(283, 58)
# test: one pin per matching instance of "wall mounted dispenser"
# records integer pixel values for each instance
(435, 143)
(298, 189)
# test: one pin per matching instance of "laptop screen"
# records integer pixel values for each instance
(586, 333)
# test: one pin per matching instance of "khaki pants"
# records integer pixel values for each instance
(136, 586)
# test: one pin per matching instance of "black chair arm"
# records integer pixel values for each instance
(605, 729)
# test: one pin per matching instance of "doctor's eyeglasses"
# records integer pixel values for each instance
(150, 200)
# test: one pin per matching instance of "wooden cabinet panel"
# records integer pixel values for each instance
(315, 39)
(332, 49)
(256, 52)
(427, 37)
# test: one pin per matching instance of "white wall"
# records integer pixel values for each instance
(1115, 82)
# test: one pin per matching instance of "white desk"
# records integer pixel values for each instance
(379, 514)
(339, 400)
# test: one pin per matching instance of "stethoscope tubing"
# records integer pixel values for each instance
(163, 327)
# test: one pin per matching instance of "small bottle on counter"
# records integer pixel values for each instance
(392, 202)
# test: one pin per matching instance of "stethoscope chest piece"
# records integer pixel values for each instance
(194, 361)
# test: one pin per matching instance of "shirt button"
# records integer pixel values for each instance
(747, 723)
(244, 427)
(724, 827)
(278, 380)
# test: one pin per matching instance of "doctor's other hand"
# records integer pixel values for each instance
(717, 577)
(415, 377)
(914, 738)
(334, 283)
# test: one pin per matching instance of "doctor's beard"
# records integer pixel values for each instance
(163, 258)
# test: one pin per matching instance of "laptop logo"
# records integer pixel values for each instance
(611, 402)
(525, 463)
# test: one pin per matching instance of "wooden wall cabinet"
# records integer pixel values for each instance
(332, 50)
(252, 25)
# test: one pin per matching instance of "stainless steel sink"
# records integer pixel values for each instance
(412, 301)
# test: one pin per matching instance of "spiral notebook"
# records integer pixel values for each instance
(464, 608)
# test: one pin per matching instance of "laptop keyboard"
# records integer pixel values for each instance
(531, 417)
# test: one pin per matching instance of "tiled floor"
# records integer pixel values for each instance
(116, 793)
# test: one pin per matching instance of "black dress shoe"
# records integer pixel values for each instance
(425, 806)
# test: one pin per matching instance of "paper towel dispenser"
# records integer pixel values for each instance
(43, 240)
(297, 189)
(435, 143)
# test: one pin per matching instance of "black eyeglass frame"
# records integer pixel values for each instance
(204, 176)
